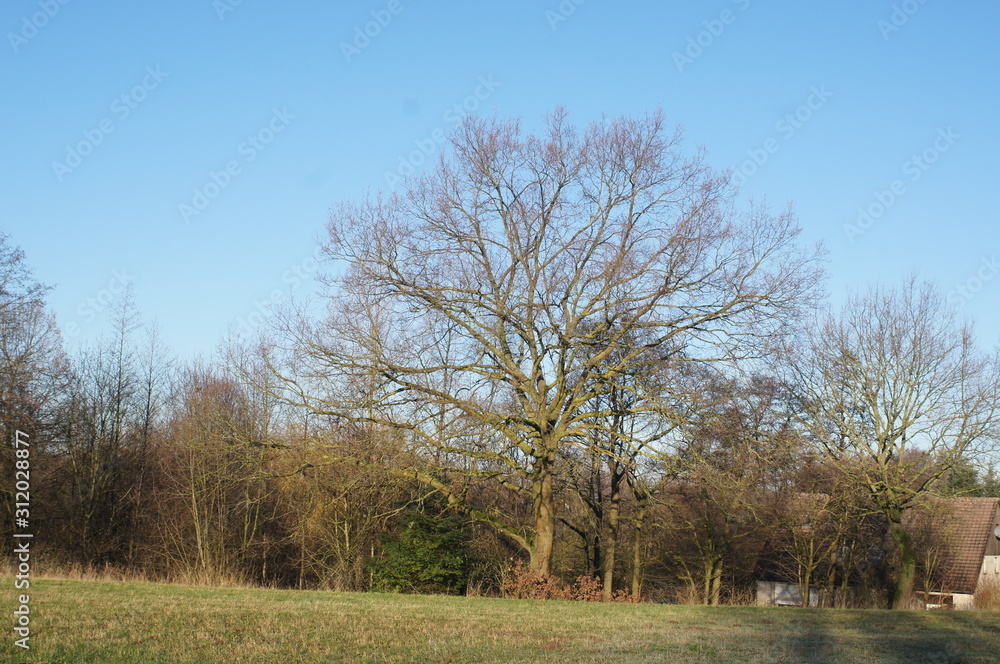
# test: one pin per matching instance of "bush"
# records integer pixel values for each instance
(987, 597)
(522, 583)
(428, 555)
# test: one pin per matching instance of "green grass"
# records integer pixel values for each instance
(97, 622)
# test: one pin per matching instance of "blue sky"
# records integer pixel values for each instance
(258, 118)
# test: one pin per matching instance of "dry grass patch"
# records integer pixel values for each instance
(987, 597)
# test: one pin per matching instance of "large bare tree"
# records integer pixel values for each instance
(484, 309)
(895, 392)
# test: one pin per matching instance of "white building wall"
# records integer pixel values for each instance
(962, 602)
(779, 593)
(991, 568)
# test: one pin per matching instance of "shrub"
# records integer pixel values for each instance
(987, 597)
(522, 583)
(428, 555)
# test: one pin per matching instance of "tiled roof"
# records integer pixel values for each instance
(972, 522)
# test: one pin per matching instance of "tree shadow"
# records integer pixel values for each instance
(901, 637)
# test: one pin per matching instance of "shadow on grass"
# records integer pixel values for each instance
(884, 637)
(909, 637)
(810, 638)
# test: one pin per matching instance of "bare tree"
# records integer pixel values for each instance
(735, 460)
(638, 409)
(100, 428)
(18, 288)
(33, 375)
(468, 308)
(32, 364)
(818, 535)
(215, 497)
(336, 513)
(894, 392)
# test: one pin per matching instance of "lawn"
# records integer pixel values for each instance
(90, 622)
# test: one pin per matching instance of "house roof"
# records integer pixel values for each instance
(973, 520)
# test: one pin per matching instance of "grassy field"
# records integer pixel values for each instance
(90, 622)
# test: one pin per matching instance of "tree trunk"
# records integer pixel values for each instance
(846, 565)
(642, 502)
(611, 546)
(805, 583)
(594, 500)
(592, 549)
(717, 584)
(907, 565)
(713, 582)
(544, 506)
(830, 583)
(805, 573)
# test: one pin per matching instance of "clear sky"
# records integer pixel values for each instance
(193, 148)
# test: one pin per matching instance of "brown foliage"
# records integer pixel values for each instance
(522, 582)
(987, 597)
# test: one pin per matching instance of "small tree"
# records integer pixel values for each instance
(214, 482)
(427, 555)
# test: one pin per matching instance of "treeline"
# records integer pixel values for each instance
(564, 365)
(190, 472)
(185, 473)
